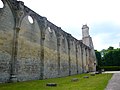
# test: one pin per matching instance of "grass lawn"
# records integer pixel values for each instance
(97, 82)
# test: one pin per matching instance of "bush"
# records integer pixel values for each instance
(110, 68)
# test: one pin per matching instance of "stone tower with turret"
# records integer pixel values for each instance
(87, 40)
(86, 37)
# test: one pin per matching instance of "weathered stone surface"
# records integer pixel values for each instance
(79, 57)
(92, 74)
(86, 76)
(39, 50)
(74, 79)
(6, 39)
(84, 59)
(28, 56)
(50, 55)
(73, 66)
(87, 40)
(64, 58)
(51, 84)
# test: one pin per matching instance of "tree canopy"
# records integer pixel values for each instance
(108, 57)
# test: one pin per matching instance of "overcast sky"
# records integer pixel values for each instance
(102, 17)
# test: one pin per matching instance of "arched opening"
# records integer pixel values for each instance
(49, 30)
(64, 58)
(29, 50)
(50, 54)
(1, 4)
(30, 19)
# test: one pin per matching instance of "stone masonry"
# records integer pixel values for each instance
(39, 50)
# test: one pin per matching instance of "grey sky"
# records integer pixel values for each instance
(102, 16)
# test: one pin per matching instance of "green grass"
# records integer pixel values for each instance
(97, 82)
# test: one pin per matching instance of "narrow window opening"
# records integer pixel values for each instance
(30, 19)
(1, 4)
(49, 30)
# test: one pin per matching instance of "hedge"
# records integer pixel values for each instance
(110, 68)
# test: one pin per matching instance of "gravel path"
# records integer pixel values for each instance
(114, 83)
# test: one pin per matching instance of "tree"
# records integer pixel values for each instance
(98, 57)
(111, 57)
(110, 48)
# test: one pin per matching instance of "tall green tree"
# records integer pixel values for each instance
(98, 57)
(111, 57)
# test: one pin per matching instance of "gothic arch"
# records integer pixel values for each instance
(84, 58)
(6, 41)
(73, 56)
(29, 50)
(50, 54)
(79, 56)
(64, 58)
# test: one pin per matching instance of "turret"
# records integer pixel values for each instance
(87, 40)
(85, 35)
(85, 31)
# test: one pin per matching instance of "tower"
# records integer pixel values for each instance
(85, 31)
(87, 40)
(85, 36)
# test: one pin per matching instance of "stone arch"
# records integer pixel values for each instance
(6, 41)
(84, 58)
(64, 58)
(50, 54)
(79, 56)
(87, 59)
(29, 50)
(73, 56)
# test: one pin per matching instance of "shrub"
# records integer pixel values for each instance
(110, 68)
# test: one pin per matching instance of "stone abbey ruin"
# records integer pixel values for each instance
(39, 50)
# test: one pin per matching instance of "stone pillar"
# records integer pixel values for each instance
(77, 57)
(68, 39)
(42, 57)
(43, 27)
(58, 50)
(13, 77)
(82, 58)
(18, 15)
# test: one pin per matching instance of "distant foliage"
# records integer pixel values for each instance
(98, 57)
(110, 68)
(110, 57)
(111, 48)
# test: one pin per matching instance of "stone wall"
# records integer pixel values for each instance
(38, 50)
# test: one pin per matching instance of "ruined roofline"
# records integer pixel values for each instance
(38, 49)
(36, 16)
(52, 25)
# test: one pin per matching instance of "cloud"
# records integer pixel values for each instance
(65, 12)
(100, 40)
(105, 35)
(102, 16)
(118, 35)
